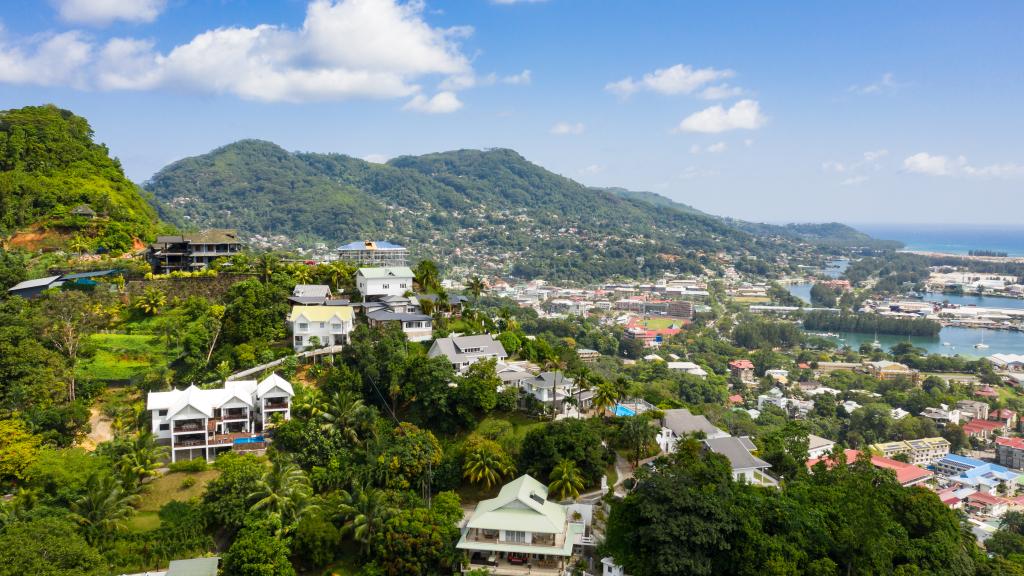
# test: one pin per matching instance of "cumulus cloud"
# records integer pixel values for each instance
(939, 165)
(567, 128)
(743, 115)
(103, 12)
(523, 77)
(678, 79)
(721, 92)
(886, 84)
(856, 171)
(715, 148)
(440, 103)
(344, 49)
(51, 60)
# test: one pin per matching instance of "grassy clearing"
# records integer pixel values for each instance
(144, 522)
(121, 357)
(660, 323)
(168, 487)
(347, 565)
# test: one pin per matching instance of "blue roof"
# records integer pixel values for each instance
(964, 460)
(382, 245)
(93, 274)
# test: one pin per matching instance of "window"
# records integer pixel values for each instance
(298, 340)
(303, 326)
(321, 325)
(165, 427)
(161, 413)
(515, 536)
(385, 286)
(335, 326)
(403, 285)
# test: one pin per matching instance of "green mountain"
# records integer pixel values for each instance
(49, 167)
(491, 210)
(653, 198)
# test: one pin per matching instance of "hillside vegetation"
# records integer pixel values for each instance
(49, 165)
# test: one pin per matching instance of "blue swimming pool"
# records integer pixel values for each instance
(250, 440)
(621, 410)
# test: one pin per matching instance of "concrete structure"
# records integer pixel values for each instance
(463, 351)
(818, 447)
(203, 423)
(1008, 362)
(887, 370)
(587, 355)
(375, 283)
(417, 327)
(331, 325)
(745, 466)
(372, 253)
(983, 429)
(680, 422)
(921, 452)
(742, 369)
(973, 409)
(689, 368)
(190, 252)
(983, 476)
(1010, 452)
(521, 531)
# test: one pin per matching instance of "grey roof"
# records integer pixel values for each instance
(83, 209)
(453, 299)
(309, 290)
(194, 567)
(817, 442)
(551, 379)
(92, 274)
(682, 421)
(34, 283)
(454, 346)
(747, 443)
(307, 300)
(385, 315)
(214, 236)
(739, 456)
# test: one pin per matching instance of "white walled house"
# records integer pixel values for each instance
(417, 327)
(463, 351)
(330, 324)
(202, 423)
(375, 283)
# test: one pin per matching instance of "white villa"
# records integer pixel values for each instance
(203, 423)
(522, 532)
(374, 283)
(331, 325)
(463, 351)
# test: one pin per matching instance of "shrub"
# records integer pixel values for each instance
(187, 483)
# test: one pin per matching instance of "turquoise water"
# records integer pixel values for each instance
(961, 340)
(801, 291)
(253, 440)
(980, 301)
(952, 239)
(621, 410)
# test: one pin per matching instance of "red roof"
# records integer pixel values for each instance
(982, 426)
(803, 366)
(905, 473)
(742, 364)
(986, 498)
(987, 392)
(1002, 414)
(736, 399)
(1017, 443)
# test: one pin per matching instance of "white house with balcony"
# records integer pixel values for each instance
(374, 283)
(202, 423)
(330, 325)
(463, 351)
(522, 532)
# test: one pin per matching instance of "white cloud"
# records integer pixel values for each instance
(102, 12)
(567, 128)
(523, 77)
(745, 115)
(872, 156)
(886, 84)
(344, 49)
(833, 166)
(695, 149)
(856, 171)
(721, 92)
(47, 61)
(854, 180)
(748, 142)
(376, 158)
(470, 80)
(510, 2)
(678, 79)
(440, 103)
(717, 147)
(938, 165)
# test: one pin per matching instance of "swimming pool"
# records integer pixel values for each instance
(621, 410)
(250, 440)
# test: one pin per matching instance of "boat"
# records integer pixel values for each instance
(876, 344)
(981, 345)
(947, 343)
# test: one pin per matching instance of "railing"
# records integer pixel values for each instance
(188, 427)
(234, 415)
(189, 443)
(276, 405)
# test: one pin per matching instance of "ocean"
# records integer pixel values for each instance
(952, 239)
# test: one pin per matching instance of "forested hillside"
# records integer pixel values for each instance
(492, 209)
(49, 165)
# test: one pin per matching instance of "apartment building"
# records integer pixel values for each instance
(189, 252)
(921, 452)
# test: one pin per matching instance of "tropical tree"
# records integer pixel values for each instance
(363, 511)
(103, 509)
(266, 266)
(78, 244)
(486, 464)
(151, 301)
(427, 276)
(343, 414)
(605, 396)
(142, 460)
(71, 319)
(476, 286)
(284, 492)
(566, 480)
(301, 273)
(636, 434)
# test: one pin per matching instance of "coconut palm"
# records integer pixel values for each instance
(605, 396)
(343, 412)
(104, 508)
(486, 465)
(476, 286)
(142, 461)
(341, 276)
(151, 301)
(566, 480)
(427, 276)
(78, 244)
(583, 380)
(266, 266)
(301, 273)
(636, 433)
(363, 511)
(283, 491)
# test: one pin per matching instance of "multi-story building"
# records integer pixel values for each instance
(522, 532)
(330, 325)
(204, 423)
(376, 283)
(888, 370)
(920, 452)
(983, 476)
(742, 369)
(463, 351)
(973, 409)
(417, 327)
(372, 253)
(190, 252)
(587, 355)
(1010, 452)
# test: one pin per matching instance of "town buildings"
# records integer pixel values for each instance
(1010, 452)
(906, 474)
(372, 253)
(190, 252)
(202, 423)
(983, 476)
(742, 369)
(745, 466)
(521, 531)
(920, 452)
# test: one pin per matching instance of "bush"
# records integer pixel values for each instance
(194, 465)
(188, 483)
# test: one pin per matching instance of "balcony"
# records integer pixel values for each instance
(188, 426)
(274, 404)
(235, 414)
(538, 539)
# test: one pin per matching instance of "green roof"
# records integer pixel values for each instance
(522, 505)
(387, 272)
(194, 567)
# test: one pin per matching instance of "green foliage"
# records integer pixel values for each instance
(47, 547)
(257, 551)
(225, 501)
(18, 449)
(760, 333)
(544, 447)
(420, 540)
(61, 475)
(566, 480)
(408, 453)
(49, 164)
(315, 542)
(194, 465)
(871, 323)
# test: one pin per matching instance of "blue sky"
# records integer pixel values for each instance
(804, 111)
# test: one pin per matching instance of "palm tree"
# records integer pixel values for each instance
(427, 276)
(566, 480)
(266, 266)
(283, 491)
(342, 413)
(301, 273)
(104, 508)
(637, 434)
(341, 276)
(363, 511)
(476, 286)
(605, 396)
(78, 245)
(487, 466)
(151, 301)
(142, 461)
(583, 380)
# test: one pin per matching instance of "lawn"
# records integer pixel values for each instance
(121, 357)
(165, 489)
(660, 323)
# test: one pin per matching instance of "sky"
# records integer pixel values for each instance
(858, 112)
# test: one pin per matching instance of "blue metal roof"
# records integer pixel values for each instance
(381, 245)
